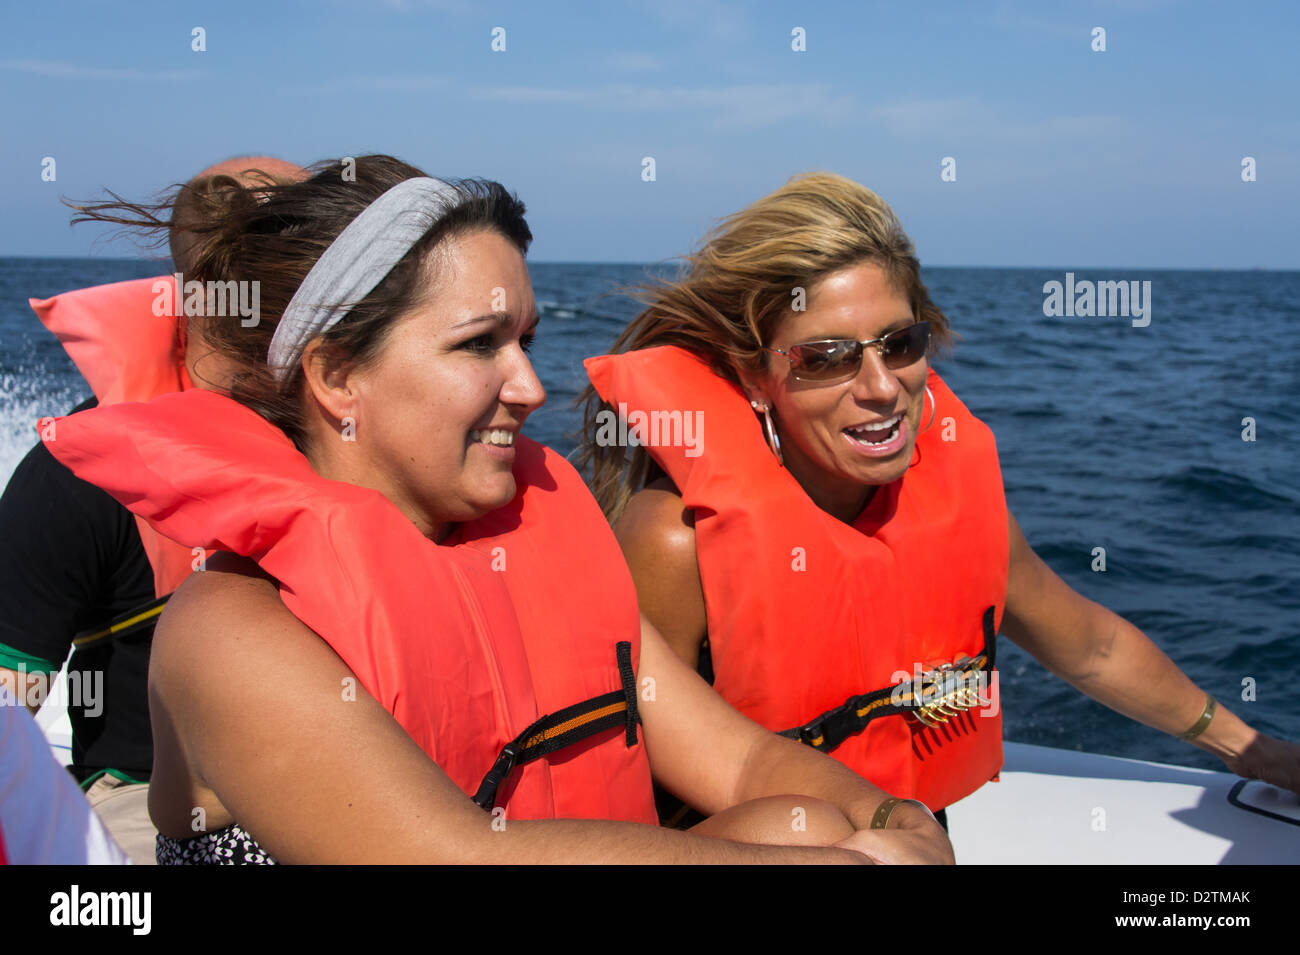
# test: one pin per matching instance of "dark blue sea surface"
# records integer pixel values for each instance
(1110, 435)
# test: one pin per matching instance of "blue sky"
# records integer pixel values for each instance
(1065, 157)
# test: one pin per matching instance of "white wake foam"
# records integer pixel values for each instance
(25, 398)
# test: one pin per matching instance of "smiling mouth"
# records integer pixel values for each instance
(880, 432)
(495, 436)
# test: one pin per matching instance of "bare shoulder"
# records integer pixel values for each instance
(658, 528)
(206, 649)
(263, 723)
(657, 534)
(224, 625)
(231, 594)
(223, 574)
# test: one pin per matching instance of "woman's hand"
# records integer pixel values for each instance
(1272, 760)
(1249, 753)
(913, 838)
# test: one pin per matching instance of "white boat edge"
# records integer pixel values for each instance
(1060, 807)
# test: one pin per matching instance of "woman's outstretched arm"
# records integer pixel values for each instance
(1116, 664)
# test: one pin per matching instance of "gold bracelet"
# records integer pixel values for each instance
(880, 819)
(1203, 723)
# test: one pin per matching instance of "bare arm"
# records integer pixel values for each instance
(254, 699)
(657, 534)
(714, 758)
(1115, 663)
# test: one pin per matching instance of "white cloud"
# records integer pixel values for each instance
(714, 19)
(968, 120)
(742, 106)
(63, 70)
(413, 81)
(395, 83)
(632, 62)
(443, 6)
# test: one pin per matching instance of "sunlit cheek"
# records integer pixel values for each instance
(819, 438)
(805, 424)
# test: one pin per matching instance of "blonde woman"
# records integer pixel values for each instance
(846, 561)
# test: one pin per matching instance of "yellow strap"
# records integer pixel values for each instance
(118, 627)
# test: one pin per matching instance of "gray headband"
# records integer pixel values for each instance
(355, 263)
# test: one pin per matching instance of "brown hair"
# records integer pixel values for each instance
(732, 291)
(273, 233)
(192, 200)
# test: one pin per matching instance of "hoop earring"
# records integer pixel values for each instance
(934, 410)
(769, 430)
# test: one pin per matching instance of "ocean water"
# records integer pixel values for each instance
(1110, 435)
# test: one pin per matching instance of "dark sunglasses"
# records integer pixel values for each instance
(842, 358)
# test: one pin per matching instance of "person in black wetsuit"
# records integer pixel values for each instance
(72, 565)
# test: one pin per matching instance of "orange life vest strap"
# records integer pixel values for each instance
(566, 727)
(853, 715)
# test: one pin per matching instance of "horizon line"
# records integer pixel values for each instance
(924, 266)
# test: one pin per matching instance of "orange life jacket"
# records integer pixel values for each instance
(806, 612)
(128, 349)
(528, 611)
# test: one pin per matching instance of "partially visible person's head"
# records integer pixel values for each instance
(764, 278)
(206, 368)
(188, 206)
(420, 388)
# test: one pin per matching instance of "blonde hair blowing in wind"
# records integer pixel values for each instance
(730, 294)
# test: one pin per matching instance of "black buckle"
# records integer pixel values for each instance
(839, 725)
(812, 731)
(833, 727)
(487, 790)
